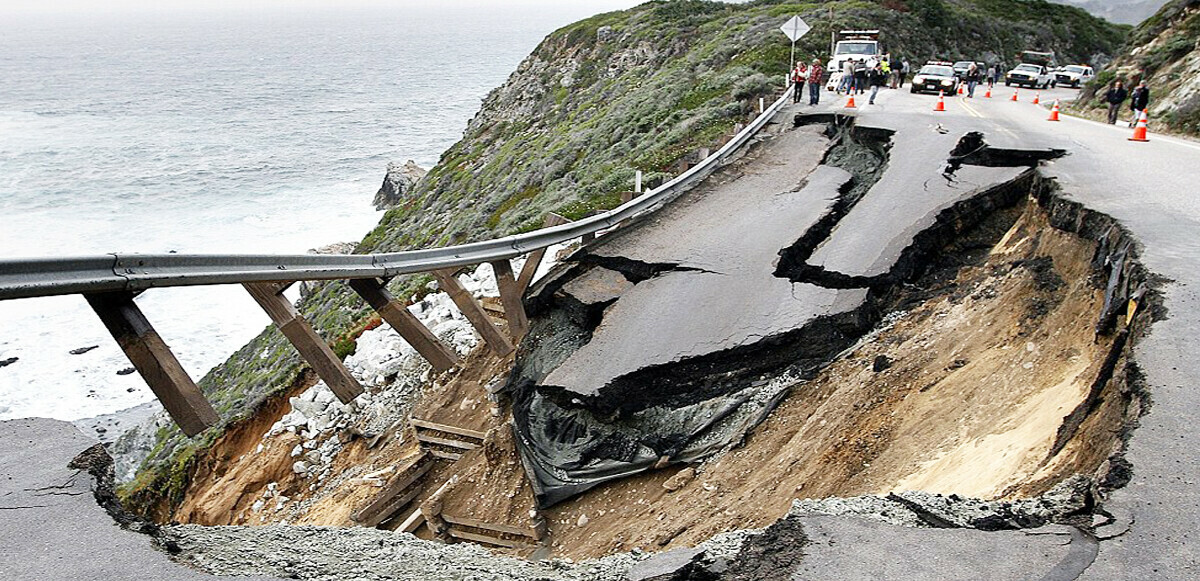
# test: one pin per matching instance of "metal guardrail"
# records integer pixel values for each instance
(33, 277)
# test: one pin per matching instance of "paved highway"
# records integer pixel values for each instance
(52, 529)
(1151, 188)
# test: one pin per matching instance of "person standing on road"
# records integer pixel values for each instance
(799, 75)
(814, 82)
(1114, 97)
(1138, 101)
(903, 72)
(847, 76)
(860, 76)
(972, 79)
(991, 76)
(876, 78)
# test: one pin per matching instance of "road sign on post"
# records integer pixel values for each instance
(794, 29)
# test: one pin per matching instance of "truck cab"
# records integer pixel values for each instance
(1030, 75)
(855, 44)
(1074, 75)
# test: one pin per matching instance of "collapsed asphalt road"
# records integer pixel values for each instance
(678, 330)
(1141, 529)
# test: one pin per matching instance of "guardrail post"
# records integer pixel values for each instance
(510, 295)
(153, 359)
(437, 353)
(535, 258)
(473, 311)
(305, 339)
(637, 182)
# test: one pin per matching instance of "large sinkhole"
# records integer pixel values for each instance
(987, 367)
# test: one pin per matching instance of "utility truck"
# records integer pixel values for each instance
(852, 44)
(857, 45)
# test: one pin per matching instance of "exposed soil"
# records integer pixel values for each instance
(963, 393)
(998, 373)
(964, 390)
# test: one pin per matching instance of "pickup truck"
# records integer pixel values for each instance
(1074, 75)
(1030, 75)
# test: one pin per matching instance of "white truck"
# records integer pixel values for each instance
(1035, 71)
(852, 44)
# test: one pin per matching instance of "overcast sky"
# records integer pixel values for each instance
(87, 6)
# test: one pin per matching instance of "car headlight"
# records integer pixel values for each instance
(918, 79)
(947, 83)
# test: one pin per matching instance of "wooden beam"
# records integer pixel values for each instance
(488, 539)
(413, 522)
(487, 526)
(443, 455)
(447, 442)
(311, 346)
(471, 309)
(510, 295)
(153, 359)
(389, 500)
(441, 356)
(428, 425)
(535, 258)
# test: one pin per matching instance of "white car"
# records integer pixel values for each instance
(1074, 75)
(1032, 76)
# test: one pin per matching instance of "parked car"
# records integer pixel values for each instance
(1030, 75)
(935, 76)
(1074, 75)
(960, 68)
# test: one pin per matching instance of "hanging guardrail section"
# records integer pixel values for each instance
(110, 282)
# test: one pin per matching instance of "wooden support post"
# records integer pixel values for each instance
(510, 295)
(441, 356)
(535, 258)
(154, 361)
(473, 311)
(311, 346)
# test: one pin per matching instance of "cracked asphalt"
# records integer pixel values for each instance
(52, 528)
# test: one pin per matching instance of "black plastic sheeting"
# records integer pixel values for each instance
(568, 450)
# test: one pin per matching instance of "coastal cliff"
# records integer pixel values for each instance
(596, 101)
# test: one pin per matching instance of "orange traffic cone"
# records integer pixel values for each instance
(941, 104)
(1014, 97)
(988, 94)
(1037, 98)
(960, 89)
(1054, 112)
(1139, 132)
(850, 104)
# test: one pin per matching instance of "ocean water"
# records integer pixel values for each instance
(264, 131)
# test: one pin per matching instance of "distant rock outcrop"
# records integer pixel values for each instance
(1119, 11)
(1164, 51)
(399, 180)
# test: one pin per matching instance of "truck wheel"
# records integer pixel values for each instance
(1007, 83)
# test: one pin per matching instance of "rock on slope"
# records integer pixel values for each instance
(596, 100)
(1163, 51)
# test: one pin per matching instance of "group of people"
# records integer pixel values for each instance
(810, 74)
(857, 77)
(1138, 101)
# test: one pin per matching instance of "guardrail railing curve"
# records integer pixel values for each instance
(110, 281)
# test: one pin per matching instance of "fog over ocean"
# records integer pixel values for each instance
(263, 131)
